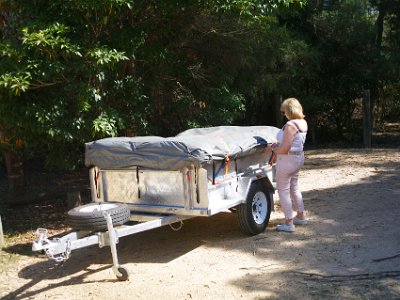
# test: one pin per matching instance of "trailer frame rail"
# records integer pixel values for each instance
(59, 248)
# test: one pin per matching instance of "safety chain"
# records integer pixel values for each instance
(43, 240)
(177, 228)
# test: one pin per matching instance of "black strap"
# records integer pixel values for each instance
(297, 126)
(213, 170)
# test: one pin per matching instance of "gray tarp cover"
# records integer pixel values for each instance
(193, 146)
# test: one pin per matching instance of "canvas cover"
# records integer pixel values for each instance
(191, 147)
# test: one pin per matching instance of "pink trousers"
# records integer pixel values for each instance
(287, 175)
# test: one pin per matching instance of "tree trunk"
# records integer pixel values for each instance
(277, 109)
(383, 8)
(379, 26)
(15, 174)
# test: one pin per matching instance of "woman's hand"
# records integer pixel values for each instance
(269, 148)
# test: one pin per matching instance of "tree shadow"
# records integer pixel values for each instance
(47, 270)
(359, 245)
(160, 245)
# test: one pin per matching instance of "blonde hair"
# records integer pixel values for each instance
(292, 108)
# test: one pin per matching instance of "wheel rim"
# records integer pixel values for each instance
(259, 207)
(97, 207)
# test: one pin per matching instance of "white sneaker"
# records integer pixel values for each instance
(297, 221)
(285, 228)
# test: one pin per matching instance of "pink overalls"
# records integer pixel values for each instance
(287, 173)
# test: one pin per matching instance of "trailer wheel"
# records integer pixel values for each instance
(253, 216)
(91, 216)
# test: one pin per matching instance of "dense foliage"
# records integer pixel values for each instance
(73, 71)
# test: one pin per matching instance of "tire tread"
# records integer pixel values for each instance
(95, 220)
(244, 212)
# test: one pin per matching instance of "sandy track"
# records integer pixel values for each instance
(350, 249)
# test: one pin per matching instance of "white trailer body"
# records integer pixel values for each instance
(164, 181)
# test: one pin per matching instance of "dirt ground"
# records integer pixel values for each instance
(349, 250)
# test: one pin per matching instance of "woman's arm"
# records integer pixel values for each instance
(288, 136)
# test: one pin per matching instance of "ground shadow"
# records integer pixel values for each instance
(47, 270)
(357, 227)
(153, 246)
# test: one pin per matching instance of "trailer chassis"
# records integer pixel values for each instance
(59, 249)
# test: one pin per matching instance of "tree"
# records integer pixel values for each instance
(388, 44)
(74, 71)
(341, 35)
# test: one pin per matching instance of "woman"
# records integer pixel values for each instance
(290, 158)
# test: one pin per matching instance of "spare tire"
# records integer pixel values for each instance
(92, 216)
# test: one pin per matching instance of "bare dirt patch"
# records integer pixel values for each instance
(349, 250)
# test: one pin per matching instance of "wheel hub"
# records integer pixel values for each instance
(259, 207)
